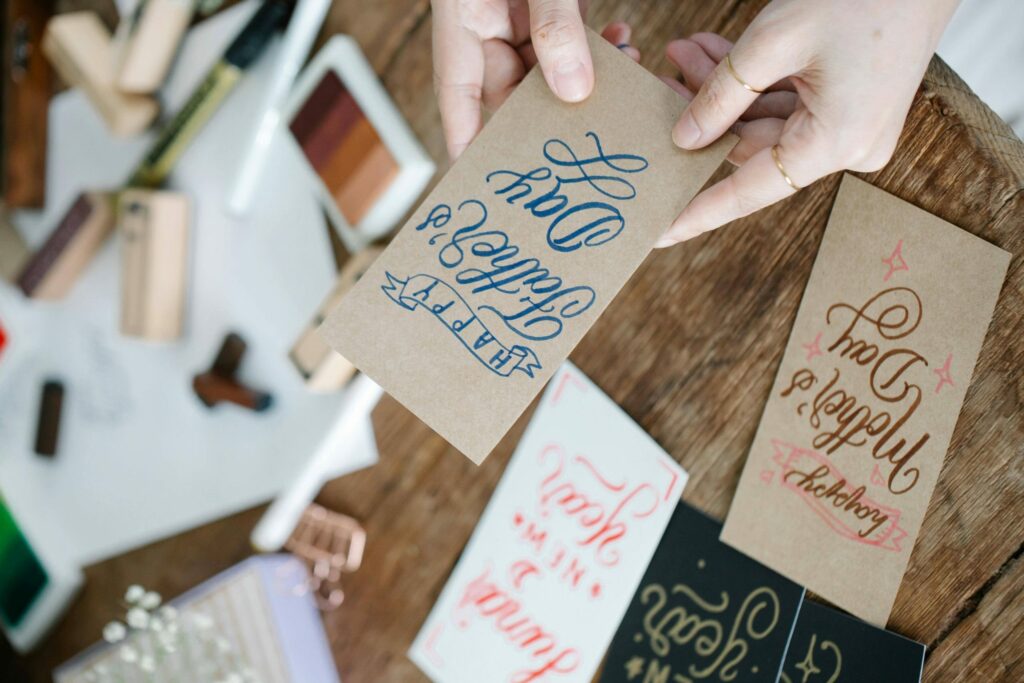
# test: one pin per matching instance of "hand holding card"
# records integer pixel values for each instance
(519, 249)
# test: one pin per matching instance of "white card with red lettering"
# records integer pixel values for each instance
(556, 557)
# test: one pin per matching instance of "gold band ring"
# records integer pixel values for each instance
(782, 170)
(732, 70)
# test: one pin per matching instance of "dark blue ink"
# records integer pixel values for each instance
(441, 300)
(573, 225)
(605, 184)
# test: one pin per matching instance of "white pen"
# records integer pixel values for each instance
(280, 519)
(305, 23)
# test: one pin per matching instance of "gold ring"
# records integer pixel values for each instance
(778, 164)
(732, 70)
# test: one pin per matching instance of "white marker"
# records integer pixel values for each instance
(307, 17)
(283, 515)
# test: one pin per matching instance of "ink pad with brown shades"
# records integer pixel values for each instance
(365, 162)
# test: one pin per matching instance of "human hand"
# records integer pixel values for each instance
(483, 48)
(838, 78)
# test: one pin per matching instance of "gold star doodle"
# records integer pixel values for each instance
(634, 668)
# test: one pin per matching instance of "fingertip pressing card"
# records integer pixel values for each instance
(854, 433)
(831, 647)
(550, 569)
(703, 611)
(522, 245)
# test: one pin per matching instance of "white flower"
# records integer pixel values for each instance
(169, 613)
(156, 624)
(137, 618)
(129, 654)
(151, 600)
(114, 632)
(134, 593)
(202, 621)
(147, 663)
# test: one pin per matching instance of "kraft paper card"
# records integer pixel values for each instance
(511, 259)
(558, 553)
(703, 612)
(857, 425)
(832, 647)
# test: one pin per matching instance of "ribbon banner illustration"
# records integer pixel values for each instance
(849, 511)
(440, 299)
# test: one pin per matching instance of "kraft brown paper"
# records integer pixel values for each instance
(496, 277)
(854, 433)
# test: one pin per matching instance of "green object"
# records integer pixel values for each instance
(22, 577)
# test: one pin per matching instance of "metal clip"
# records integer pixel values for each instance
(332, 544)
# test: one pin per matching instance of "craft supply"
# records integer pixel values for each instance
(514, 255)
(120, 385)
(281, 518)
(828, 645)
(219, 383)
(81, 50)
(560, 549)
(706, 582)
(13, 251)
(332, 545)
(857, 424)
(254, 622)
(155, 33)
(48, 430)
(222, 78)
(53, 268)
(323, 368)
(25, 101)
(363, 158)
(305, 22)
(154, 262)
(36, 584)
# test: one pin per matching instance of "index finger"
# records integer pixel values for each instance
(458, 79)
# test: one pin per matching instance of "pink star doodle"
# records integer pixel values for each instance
(814, 348)
(943, 373)
(895, 261)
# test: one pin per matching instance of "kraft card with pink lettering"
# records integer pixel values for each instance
(860, 416)
(514, 255)
(550, 569)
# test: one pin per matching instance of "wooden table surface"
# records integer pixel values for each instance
(689, 349)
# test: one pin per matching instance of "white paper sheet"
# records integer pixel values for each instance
(551, 567)
(139, 457)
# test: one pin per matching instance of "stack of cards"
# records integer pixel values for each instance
(589, 505)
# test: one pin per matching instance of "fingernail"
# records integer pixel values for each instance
(686, 133)
(571, 82)
(665, 241)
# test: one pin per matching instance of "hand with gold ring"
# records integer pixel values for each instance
(811, 87)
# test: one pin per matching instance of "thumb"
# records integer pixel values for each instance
(748, 70)
(560, 41)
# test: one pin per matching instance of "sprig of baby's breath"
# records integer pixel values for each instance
(151, 633)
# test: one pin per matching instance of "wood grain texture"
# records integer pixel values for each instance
(689, 349)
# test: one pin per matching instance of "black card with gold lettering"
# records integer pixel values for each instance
(703, 612)
(831, 647)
